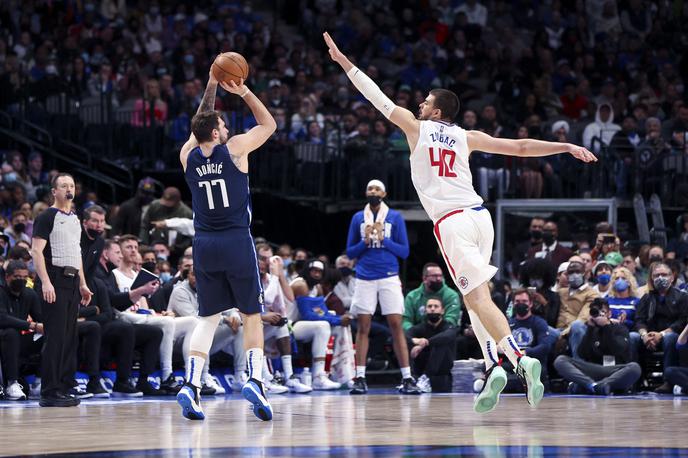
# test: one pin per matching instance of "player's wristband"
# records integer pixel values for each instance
(663, 333)
(245, 93)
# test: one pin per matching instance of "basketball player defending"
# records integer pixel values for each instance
(463, 228)
(225, 261)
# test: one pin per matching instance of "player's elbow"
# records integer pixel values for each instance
(271, 125)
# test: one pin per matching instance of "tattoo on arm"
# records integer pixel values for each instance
(208, 101)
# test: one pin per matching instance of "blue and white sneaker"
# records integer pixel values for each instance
(189, 397)
(253, 392)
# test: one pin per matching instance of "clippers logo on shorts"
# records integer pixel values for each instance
(463, 282)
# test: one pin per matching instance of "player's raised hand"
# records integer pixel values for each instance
(335, 53)
(238, 89)
(582, 154)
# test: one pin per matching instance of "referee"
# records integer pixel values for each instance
(57, 258)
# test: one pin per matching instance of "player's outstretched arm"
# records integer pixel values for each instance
(402, 117)
(242, 144)
(527, 147)
(207, 104)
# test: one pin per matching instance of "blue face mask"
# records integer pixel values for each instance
(10, 177)
(165, 277)
(603, 279)
(621, 285)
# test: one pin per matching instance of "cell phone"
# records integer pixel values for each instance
(532, 289)
(608, 238)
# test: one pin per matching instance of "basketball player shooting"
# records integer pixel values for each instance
(225, 262)
(462, 226)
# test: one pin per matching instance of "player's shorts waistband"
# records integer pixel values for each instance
(224, 232)
(457, 211)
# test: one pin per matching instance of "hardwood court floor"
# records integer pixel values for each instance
(381, 424)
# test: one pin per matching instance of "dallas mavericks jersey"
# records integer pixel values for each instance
(440, 171)
(219, 191)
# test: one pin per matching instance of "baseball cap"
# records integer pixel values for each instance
(171, 197)
(562, 267)
(316, 265)
(614, 258)
(147, 184)
(599, 264)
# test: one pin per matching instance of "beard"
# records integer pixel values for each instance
(224, 139)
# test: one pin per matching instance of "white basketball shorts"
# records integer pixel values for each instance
(465, 238)
(385, 290)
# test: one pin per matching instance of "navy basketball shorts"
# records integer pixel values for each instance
(226, 269)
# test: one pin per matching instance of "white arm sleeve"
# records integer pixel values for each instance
(183, 225)
(371, 91)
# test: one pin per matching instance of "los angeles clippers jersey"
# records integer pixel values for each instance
(440, 171)
(219, 191)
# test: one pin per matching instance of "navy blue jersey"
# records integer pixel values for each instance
(219, 191)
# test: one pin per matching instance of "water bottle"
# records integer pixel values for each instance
(306, 377)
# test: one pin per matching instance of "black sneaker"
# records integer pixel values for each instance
(602, 389)
(408, 386)
(58, 400)
(148, 390)
(96, 388)
(665, 388)
(360, 386)
(170, 385)
(80, 393)
(207, 390)
(125, 389)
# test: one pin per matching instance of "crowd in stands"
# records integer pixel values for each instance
(608, 75)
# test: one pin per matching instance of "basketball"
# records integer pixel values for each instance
(230, 66)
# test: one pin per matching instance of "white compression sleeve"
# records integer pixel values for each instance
(371, 91)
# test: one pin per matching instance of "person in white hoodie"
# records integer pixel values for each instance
(603, 128)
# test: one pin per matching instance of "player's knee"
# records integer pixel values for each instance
(323, 329)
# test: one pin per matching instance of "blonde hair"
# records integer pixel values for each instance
(632, 283)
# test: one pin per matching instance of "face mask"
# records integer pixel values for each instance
(662, 283)
(19, 228)
(287, 262)
(521, 309)
(345, 271)
(161, 257)
(656, 258)
(434, 318)
(620, 285)
(69, 196)
(165, 277)
(10, 177)
(92, 233)
(435, 286)
(536, 235)
(575, 280)
(603, 279)
(536, 283)
(17, 285)
(149, 266)
(374, 201)
(299, 264)
(548, 238)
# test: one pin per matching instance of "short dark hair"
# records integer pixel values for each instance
(262, 247)
(109, 243)
(18, 253)
(447, 102)
(93, 209)
(127, 238)
(427, 266)
(14, 266)
(203, 124)
(53, 184)
(520, 291)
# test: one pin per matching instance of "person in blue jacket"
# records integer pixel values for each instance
(377, 238)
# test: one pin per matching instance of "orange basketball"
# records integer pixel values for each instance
(230, 66)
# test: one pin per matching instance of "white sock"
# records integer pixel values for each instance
(487, 344)
(405, 372)
(267, 375)
(286, 366)
(195, 370)
(254, 361)
(360, 371)
(318, 368)
(511, 350)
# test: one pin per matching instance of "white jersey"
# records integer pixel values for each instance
(440, 171)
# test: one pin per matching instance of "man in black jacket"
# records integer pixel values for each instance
(604, 354)
(17, 304)
(432, 347)
(660, 316)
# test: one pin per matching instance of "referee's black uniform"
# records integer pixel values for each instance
(62, 253)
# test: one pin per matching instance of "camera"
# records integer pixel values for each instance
(595, 311)
(283, 321)
(608, 238)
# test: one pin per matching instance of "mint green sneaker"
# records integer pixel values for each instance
(487, 399)
(528, 371)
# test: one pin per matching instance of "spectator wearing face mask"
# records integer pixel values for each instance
(530, 331)
(603, 275)
(623, 300)
(534, 240)
(550, 249)
(660, 316)
(346, 286)
(575, 306)
(128, 220)
(604, 365)
(432, 348)
(655, 254)
(17, 231)
(433, 285)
